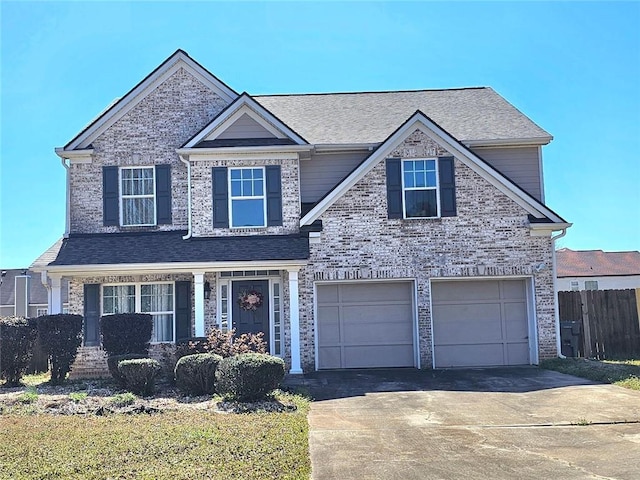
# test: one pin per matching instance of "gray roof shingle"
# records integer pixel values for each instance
(169, 247)
(469, 114)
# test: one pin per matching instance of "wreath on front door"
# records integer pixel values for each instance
(250, 300)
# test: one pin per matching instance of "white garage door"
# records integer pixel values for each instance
(368, 324)
(480, 323)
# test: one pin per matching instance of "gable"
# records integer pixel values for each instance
(243, 123)
(179, 60)
(244, 127)
(440, 139)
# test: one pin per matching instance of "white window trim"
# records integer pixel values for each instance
(405, 189)
(220, 281)
(262, 197)
(39, 309)
(138, 301)
(122, 196)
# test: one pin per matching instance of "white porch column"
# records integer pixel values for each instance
(55, 305)
(198, 278)
(294, 319)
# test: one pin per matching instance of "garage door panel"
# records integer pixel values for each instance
(365, 325)
(479, 355)
(513, 289)
(516, 321)
(378, 356)
(330, 331)
(518, 353)
(467, 324)
(375, 292)
(329, 357)
(465, 291)
(480, 323)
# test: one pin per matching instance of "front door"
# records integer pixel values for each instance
(250, 311)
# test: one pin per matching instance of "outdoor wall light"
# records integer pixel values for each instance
(207, 291)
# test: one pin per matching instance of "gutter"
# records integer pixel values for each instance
(243, 150)
(555, 290)
(185, 159)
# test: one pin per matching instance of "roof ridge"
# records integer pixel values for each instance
(367, 92)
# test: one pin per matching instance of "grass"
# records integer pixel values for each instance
(30, 395)
(174, 444)
(123, 399)
(624, 373)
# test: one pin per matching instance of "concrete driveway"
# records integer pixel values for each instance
(515, 423)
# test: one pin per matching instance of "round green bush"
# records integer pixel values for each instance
(196, 374)
(114, 360)
(249, 376)
(139, 375)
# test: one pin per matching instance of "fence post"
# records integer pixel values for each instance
(586, 327)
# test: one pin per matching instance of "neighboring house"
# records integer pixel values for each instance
(390, 229)
(22, 294)
(597, 270)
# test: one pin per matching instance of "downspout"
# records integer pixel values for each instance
(67, 226)
(555, 291)
(188, 164)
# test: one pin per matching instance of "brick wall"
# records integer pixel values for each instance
(202, 204)
(359, 241)
(147, 135)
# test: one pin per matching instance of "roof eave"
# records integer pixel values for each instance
(245, 149)
(508, 142)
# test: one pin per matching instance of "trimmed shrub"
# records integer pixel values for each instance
(60, 336)
(191, 346)
(17, 337)
(126, 333)
(140, 375)
(226, 344)
(249, 376)
(114, 360)
(196, 374)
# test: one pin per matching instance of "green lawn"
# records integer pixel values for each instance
(624, 373)
(179, 444)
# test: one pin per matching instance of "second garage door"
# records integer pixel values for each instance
(480, 323)
(365, 325)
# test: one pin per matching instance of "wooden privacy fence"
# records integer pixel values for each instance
(605, 324)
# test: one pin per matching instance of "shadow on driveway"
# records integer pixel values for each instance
(333, 384)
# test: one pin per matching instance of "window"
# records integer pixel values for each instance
(154, 298)
(591, 285)
(248, 205)
(137, 196)
(40, 311)
(574, 286)
(420, 188)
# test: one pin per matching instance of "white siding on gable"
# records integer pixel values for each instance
(519, 164)
(245, 127)
(325, 171)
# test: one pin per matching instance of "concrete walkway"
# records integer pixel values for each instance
(515, 423)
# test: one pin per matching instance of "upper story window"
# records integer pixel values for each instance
(420, 188)
(248, 202)
(591, 285)
(575, 286)
(138, 198)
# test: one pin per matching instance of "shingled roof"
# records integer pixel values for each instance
(169, 247)
(469, 114)
(596, 263)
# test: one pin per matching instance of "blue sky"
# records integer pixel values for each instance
(574, 68)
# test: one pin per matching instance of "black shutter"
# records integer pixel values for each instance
(274, 195)
(183, 310)
(220, 197)
(163, 194)
(110, 210)
(447, 187)
(394, 188)
(91, 315)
